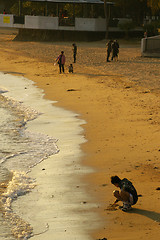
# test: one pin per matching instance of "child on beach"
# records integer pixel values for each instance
(70, 68)
(127, 194)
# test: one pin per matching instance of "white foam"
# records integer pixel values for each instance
(18, 186)
(56, 200)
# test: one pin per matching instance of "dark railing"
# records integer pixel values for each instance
(66, 21)
(18, 20)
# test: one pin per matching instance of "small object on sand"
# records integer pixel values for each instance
(102, 239)
(69, 90)
(104, 185)
(158, 188)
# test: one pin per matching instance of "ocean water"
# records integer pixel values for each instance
(22, 148)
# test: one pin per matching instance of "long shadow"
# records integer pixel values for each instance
(98, 75)
(139, 61)
(150, 214)
(17, 73)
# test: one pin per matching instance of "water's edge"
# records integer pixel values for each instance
(55, 123)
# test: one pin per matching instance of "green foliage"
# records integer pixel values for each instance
(29, 8)
(126, 26)
(15, 8)
(154, 5)
(152, 28)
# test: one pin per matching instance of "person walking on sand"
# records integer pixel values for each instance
(115, 50)
(74, 52)
(127, 194)
(109, 49)
(61, 61)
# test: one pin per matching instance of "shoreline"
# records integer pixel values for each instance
(58, 194)
(122, 129)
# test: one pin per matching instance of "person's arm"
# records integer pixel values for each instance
(116, 201)
(57, 58)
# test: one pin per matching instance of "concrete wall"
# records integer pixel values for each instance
(89, 24)
(51, 23)
(150, 47)
(41, 22)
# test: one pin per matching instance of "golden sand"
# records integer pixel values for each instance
(120, 103)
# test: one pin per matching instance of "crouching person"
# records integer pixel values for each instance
(127, 194)
(70, 68)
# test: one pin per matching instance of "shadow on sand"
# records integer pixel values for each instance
(17, 73)
(150, 214)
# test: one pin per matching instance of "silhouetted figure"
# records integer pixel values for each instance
(70, 68)
(115, 50)
(109, 49)
(61, 61)
(127, 194)
(74, 52)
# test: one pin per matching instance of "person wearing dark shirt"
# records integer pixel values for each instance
(61, 61)
(74, 52)
(109, 49)
(115, 50)
(127, 194)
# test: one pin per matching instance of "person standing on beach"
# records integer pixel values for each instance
(61, 61)
(109, 49)
(115, 50)
(127, 194)
(74, 52)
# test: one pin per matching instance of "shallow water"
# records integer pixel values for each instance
(23, 147)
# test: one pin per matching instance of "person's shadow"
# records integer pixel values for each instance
(150, 214)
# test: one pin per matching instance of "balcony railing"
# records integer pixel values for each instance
(66, 21)
(18, 20)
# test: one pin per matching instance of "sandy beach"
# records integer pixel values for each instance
(120, 103)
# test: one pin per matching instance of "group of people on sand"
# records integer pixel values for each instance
(61, 60)
(127, 194)
(112, 48)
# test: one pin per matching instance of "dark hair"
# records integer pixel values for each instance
(62, 52)
(115, 179)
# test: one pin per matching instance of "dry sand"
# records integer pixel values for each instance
(120, 103)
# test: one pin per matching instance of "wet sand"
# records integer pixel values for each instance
(120, 103)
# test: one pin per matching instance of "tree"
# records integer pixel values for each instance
(133, 9)
(107, 13)
(106, 17)
(127, 26)
(154, 5)
(9, 3)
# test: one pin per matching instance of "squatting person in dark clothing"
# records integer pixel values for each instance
(127, 194)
